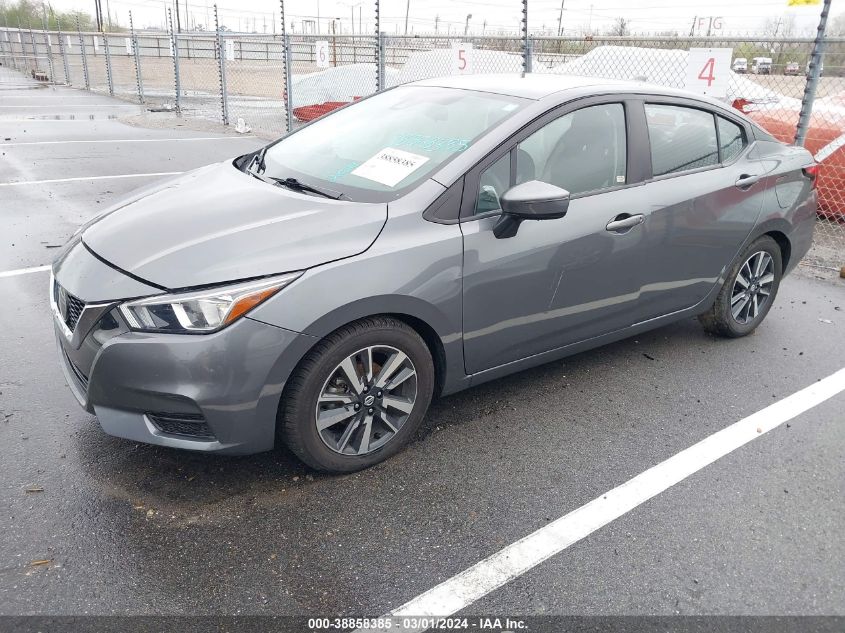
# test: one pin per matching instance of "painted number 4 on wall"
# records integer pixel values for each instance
(708, 71)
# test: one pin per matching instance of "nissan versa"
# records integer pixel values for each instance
(426, 239)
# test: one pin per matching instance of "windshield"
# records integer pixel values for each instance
(375, 150)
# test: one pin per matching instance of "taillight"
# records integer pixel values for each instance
(812, 172)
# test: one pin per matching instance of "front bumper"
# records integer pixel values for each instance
(230, 381)
(209, 392)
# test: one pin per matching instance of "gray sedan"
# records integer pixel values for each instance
(323, 290)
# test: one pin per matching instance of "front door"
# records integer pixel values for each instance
(556, 282)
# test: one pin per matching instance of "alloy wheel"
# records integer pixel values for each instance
(366, 400)
(752, 287)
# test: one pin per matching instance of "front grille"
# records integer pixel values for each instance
(70, 307)
(184, 424)
(81, 377)
(74, 310)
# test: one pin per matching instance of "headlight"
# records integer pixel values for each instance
(201, 311)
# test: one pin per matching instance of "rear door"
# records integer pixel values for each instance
(705, 195)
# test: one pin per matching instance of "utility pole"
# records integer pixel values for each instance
(483, 28)
(466, 25)
(97, 15)
(407, 10)
(178, 18)
(437, 23)
(560, 20)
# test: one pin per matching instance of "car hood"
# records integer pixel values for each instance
(218, 224)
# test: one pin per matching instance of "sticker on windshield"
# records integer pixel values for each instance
(390, 166)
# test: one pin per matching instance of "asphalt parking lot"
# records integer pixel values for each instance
(91, 524)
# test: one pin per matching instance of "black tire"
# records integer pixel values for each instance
(297, 420)
(719, 319)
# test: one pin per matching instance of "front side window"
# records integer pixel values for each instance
(377, 149)
(681, 138)
(494, 181)
(581, 151)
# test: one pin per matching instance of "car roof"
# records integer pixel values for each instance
(528, 86)
(539, 86)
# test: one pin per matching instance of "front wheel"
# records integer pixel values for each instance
(358, 396)
(749, 291)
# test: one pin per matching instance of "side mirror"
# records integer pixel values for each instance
(532, 200)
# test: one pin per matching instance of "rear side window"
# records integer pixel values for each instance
(681, 138)
(731, 139)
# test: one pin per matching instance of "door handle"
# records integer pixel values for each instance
(747, 180)
(624, 222)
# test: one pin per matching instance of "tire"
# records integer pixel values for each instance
(720, 318)
(374, 420)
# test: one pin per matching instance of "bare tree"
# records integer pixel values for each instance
(836, 26)
(620, 27)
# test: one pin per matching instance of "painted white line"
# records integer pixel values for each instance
(82, 119)
(461, 590)
(44, 182)
(129, 140)
(828, 149)
(84, 105)
(23, 271)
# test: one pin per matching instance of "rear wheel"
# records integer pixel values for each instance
(358, 396)
(749, 291)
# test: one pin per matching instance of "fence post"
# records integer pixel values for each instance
(84, 56)
(136, 54)
(286, 68)
(174, 44)
(109, 76)
(23, 46)
(288, 85)
(221, 68)
(379, 50)
(34, 48)
(812, 79)
(48, 45)
(526, 43)
(64, 52)
(381, 44)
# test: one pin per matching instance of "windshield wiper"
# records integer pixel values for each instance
(258, 161)
(293, 183)
(256, 168)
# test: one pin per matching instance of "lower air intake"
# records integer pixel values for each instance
(183, 424)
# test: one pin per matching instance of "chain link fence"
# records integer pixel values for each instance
(270, 83)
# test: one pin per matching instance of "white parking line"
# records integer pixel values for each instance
(491, 573)
(44, 182)
(84, 105)
(23, 271)
(129, 140)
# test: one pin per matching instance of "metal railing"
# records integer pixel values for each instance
(271, 83)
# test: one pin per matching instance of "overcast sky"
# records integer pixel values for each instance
(736, 17)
